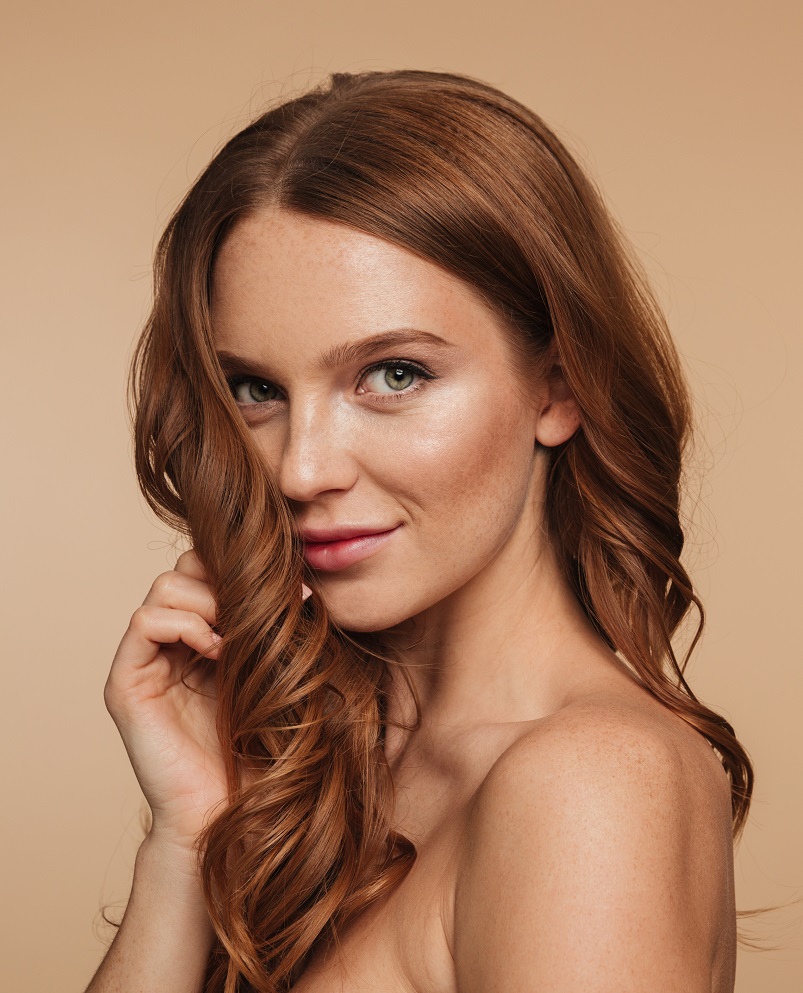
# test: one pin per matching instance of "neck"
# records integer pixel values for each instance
(506, 647)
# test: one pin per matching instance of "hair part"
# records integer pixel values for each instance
(471, 180)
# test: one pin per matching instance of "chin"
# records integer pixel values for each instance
(363, 615)
(364, 621)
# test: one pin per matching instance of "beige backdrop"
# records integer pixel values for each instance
(687, 113)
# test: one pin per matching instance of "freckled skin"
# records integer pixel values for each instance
(455, 463)
(522, 760)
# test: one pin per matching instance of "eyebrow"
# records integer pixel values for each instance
(352, 351)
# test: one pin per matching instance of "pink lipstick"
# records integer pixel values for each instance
(339, 548)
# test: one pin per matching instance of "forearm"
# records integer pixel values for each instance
(165, 937)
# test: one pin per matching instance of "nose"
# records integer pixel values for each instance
(317, 455)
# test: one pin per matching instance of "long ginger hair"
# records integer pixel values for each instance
(467, 178)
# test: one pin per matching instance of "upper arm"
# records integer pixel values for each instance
(583, 868)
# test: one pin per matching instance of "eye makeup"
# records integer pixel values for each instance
(403, 366)
(254, 391)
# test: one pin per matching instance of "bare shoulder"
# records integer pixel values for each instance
(634, 745)
(599, 856)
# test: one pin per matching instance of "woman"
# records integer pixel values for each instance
(400, 360)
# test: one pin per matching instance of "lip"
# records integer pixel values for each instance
(315, 536)
(347, 547)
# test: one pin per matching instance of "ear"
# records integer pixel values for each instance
(559, 417)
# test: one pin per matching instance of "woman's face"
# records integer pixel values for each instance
(385, 398)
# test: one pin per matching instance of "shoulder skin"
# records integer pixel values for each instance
(599, 858)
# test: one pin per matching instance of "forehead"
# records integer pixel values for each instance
(277, 269)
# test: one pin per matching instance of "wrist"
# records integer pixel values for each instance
(165, 855)
(169, 874)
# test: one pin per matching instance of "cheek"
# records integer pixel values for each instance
(458, 473)
(464, 474)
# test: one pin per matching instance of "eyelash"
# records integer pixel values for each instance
(406, 364)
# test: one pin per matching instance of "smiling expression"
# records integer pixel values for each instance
(383, 393)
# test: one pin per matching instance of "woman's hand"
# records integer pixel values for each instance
(168, 728)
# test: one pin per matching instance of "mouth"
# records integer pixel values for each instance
(331, 556)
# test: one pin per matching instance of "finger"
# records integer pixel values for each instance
(182, 592)
(189, 564)
(153, 631)
(152, 626)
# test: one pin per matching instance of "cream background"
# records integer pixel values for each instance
(687, 113)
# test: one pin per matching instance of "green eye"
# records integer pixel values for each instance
(249, 391)
(394, 378)
(399, 377)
